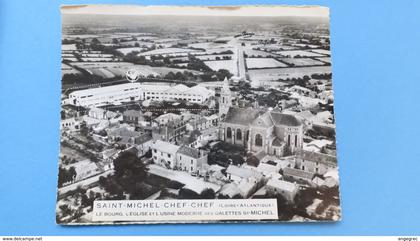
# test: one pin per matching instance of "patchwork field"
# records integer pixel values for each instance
(258, 63)
(283, 73)
(66, 69)
(325, 59)
(125, 51)
(302, 61)
(168, 51)
(301, 53)
(213, 56)
(321, 51)
(223, 64)
(251, 53)
(118, 69)
(94, 59)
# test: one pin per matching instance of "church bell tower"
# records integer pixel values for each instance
(225, 100)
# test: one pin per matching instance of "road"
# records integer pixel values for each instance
(239, 58)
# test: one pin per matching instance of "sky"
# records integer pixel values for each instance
(267, 11)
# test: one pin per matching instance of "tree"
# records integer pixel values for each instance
(185, 193)
(127, 164)
(252, 161)
(66, 175)
(208, 193)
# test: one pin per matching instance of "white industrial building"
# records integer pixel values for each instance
(117, 94)
(197, 94)
(114, 94)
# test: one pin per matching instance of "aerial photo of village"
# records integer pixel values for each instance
(197, 107)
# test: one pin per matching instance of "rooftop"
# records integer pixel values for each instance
(188, 151)
(166, 147)
(283, 185)
(287, 171)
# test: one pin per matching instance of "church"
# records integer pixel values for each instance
(258, 129)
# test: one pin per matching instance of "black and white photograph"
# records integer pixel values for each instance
(196, 114)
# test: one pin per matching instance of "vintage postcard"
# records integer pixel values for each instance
(196, 114)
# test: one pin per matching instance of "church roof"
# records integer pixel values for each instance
(277, 142)
(284, 119)
(242, 116)
(263, 120)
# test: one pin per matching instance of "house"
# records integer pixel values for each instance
(191, 139)
(190, 159)
(133, 116)
(164, 153)
(84, 169)
(230, 190)
(302, 91)
(72, 124)
(249, 186)
(298, 175)
(268, 168)
(166, 118)
(315, 162)
(108, 157)
(101, 114)
(143, 144)
(316, 145)
(287, 189)
(170, 131)
(178, 157)
(123, 135)
(236, 173)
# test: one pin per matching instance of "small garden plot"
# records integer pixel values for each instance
(302, 61)
(125, 51)
(325, 59)
(223, 64)
(321, 51)
(298, 53)
(259, 63)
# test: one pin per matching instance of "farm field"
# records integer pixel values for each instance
(302, 53)
(223, 64)
(94, 59)
(132, 43)
(168, 51)
(206, 45)
(302, 61)
(283, 73)
(258, 53)
(68, 47)
(66, 69)
(325, 59)
(306, 45)
(72, 59)
(274, 47)
(258, 63)
(125, 51)
(321, 51)
(212, 56)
